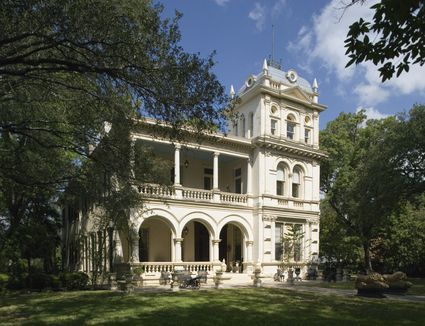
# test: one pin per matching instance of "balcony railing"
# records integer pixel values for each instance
(158, 267)
(227, 198)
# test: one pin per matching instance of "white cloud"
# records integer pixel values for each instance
(221, 2)
(277, 8)
(372, 113)
(258, 14)
(323, 42)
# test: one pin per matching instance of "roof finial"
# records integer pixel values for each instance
(232, 91)
(315, 85)
(265, 67)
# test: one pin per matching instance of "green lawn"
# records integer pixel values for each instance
(262, 306)
(418, 287)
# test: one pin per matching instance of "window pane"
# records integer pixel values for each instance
(280, 175)
(296, 177)
(295, 190)
(279, 188)
(290, 130)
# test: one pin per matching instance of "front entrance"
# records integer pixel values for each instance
(230, 247)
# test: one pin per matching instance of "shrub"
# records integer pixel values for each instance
(4, 279)
(74, 280)
(39, 281)
(17, 282)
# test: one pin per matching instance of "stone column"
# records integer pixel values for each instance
(177, 165)
(178, 249)
(216, 243)
(249, 244)
(215, 172)
(273, 239)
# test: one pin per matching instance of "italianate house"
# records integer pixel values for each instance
(236, 197)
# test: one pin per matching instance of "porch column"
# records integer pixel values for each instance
(248, 177)
(178, 249)
(216, 243)
(177, 165)
(273, 240)
(215, 172)
(249, 244)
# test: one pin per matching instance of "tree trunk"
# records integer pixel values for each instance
(367, 261)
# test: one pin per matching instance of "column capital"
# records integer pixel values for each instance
(249, 242)
(216, 154)
(177, 146)
(216, 241)
(178, 240)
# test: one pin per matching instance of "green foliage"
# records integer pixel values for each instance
(4, 279)
(401, 244)
(372, 167)
(393, 40)
(336, 242)
(65, 75)
(74, 280)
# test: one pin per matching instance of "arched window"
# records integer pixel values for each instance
(235, 128)
(280, 180)
(296, 183)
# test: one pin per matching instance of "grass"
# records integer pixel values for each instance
(418, 287)
(263, 306)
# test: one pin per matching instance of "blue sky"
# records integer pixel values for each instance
(309, 37)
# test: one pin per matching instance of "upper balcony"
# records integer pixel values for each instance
(214, 176)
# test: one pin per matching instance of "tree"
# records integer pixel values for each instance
(401, 244)
(393, 41)
(336, 241)
(360, 183)
(70, 68)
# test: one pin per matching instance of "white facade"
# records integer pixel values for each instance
(235, 196)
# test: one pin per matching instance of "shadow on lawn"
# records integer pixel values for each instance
(230, 307)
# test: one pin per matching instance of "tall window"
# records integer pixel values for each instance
(278, 241)
(290, 127)
(243, 126)
(296, 181)
(273, 127)
(307, 136)
(238, 181)
(280, 180)
(208, 179)
(235, 126)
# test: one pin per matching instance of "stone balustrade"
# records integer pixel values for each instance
(158, 267)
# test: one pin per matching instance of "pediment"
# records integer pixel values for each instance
(298, 93)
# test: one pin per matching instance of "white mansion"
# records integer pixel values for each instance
(235, 198)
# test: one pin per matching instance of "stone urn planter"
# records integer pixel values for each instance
(218, 279)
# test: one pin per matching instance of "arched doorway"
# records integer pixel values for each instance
(155, 240)
(196, 242)
(231, 247)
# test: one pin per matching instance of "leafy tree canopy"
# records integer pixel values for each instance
(394, 40)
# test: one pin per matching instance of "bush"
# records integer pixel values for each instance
(17, 282)
(74, 280)
(39, 281)
(4, 279)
